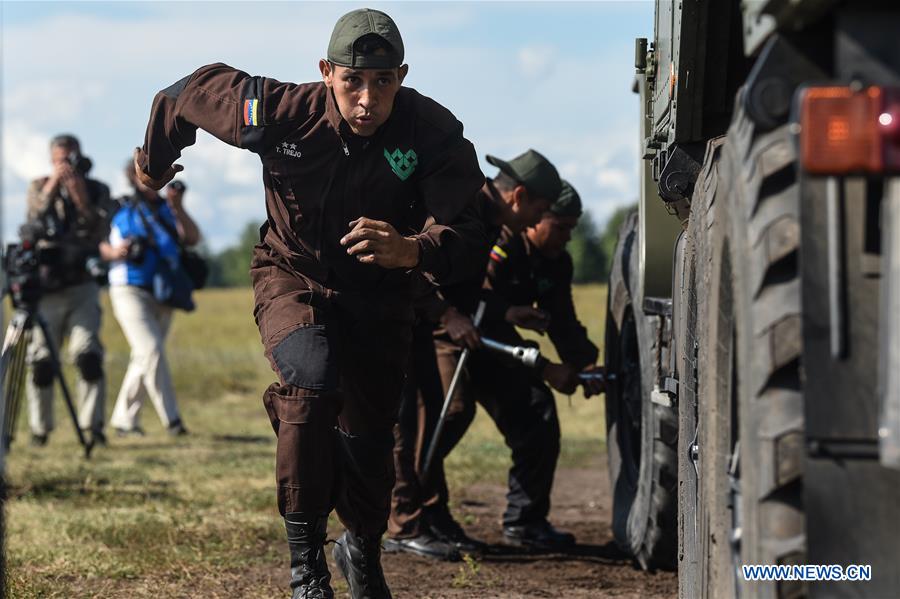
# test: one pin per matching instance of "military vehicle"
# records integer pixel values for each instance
(754, 300)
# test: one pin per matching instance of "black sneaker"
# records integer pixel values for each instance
(540, 535)
(177, 429)
(38, 440)
(130, 432)
(359, 560)
(443, 526)
(425, 545)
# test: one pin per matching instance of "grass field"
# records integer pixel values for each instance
(146, 514)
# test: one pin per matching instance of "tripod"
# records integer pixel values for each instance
(13, 368)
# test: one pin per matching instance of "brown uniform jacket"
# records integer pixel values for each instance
(520, 275)
(432, 301)
(417, 172)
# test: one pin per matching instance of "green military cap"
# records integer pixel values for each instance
(343, 49)
(568, 203)
(533, 171)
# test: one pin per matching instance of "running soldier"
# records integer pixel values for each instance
(367, 183)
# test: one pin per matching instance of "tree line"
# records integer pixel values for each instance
(591, 248)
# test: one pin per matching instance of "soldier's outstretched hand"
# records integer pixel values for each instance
(461, 329)
(594, 386)
(377, 242)
(562, 377)
(149, 181)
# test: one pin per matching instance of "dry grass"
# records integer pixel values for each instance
(157, 517)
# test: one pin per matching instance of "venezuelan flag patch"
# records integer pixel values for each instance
(498, 254)
(251, 113)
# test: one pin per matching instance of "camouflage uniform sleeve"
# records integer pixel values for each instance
(37, 201)
(566, 332)
(104, 209)
(239, 109)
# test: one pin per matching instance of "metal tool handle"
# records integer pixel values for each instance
(529, 356)
(451, 391)
(596, 376)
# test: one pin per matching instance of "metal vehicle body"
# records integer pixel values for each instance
(754, 302)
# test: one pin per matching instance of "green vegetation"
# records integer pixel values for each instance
(231, 266)
(591, 249)
(160, 517)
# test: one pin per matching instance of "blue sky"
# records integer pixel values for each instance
(551, 76)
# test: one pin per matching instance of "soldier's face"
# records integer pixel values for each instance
(365, 97)
(527, 208)
(552, 233)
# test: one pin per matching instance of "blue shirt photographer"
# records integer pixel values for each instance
(158, 244)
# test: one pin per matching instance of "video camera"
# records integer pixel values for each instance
(23, 264)
(80, 164)
(43, 262)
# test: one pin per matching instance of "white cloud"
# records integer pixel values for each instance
(26, 153)
(536, 61)
(616, 179)
(510, 97)
(58, 100)
(213, 161)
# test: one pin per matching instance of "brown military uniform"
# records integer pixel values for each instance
(521, 405)
(336, 331)
(423, 395)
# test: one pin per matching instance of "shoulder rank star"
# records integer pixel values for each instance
(498, 254)
(251, 113)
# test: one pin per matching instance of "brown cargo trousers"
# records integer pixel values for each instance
(521, 406)
(432, 364)
(335, 405)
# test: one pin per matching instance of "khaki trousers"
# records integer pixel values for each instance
(73, 313)
(145, 323)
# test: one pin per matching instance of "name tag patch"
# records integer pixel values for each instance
(288, 149)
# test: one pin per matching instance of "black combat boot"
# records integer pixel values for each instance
(359, 559)
(310, 578)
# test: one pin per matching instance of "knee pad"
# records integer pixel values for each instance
(306, 359)
(91, 366)
(42, 373)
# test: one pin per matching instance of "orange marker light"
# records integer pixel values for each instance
(845, 131)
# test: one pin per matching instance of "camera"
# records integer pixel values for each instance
(80, 164)
(26, 265)
(137, 249)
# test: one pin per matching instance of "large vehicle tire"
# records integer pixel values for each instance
(641, 435)
(748, 410)
(688, 364)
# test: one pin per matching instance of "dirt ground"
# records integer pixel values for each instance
(595, 568)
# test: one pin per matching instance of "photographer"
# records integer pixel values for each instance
(146, 230)
(68, 216)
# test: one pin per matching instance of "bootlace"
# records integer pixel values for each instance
(370, 565)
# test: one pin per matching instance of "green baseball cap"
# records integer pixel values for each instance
(568, 203)
(343, 48)
(533, 171)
